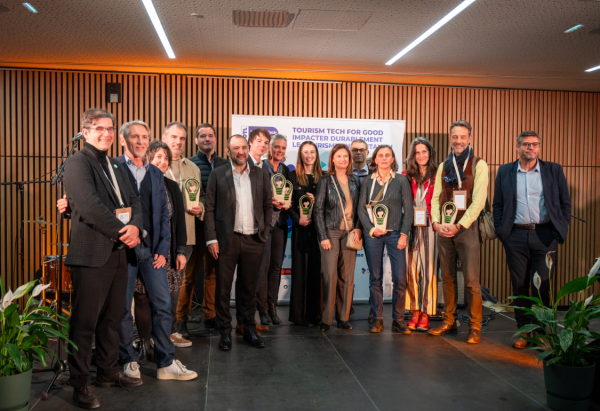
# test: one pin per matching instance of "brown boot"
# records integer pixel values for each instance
(474, 336)
(239, 329)
(261, 328)
(543, 340)
(519, 343)
(118, 379)
(445, 328)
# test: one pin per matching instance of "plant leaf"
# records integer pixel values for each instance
(594, 269)
(566, 338)
(24, 289)
(588, 300)
(15, 355)
(544, 354)
(575, 286)
(526, 329)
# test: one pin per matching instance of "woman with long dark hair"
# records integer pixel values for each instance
(336, 218)
(421, 288)
(384, 187)
(306, 294)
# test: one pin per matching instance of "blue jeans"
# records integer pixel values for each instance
(374, 248)
(157, 288)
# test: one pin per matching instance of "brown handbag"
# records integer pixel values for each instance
(350, 243)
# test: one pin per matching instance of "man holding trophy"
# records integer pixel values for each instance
(460, 193)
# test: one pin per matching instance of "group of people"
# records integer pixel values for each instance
(137, 239)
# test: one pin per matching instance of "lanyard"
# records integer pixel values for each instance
(114, 184)
(384, 189)
(173, 178)
(456, 168)
(422, 198)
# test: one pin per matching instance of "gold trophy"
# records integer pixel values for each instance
(306, 206)
(278, 186)
(380, 214)
(288, 190)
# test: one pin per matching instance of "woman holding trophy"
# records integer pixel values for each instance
(306, 294)
(386, 212)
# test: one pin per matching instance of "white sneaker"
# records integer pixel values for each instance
(179, 341)
(175, 371)
(132, 369)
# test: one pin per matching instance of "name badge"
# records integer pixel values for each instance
(420, 217)
(370, 212)
(460, 200)
(123, 214)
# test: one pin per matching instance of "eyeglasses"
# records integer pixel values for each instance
(358, 150)
(533, 145)
(101, 130)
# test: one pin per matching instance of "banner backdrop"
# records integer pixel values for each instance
(326, 133)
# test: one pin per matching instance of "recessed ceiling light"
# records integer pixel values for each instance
(574, 28)
(593, 69)
(30, 7)
(433, 29)
(158, 27)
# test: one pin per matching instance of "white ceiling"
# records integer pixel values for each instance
(496, 43)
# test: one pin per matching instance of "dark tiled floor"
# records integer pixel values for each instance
(304, 369)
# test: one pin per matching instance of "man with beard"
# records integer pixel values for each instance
(239, 212)
(532, 207)
(463, 180)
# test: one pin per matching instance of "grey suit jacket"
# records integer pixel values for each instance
(94, 225)
(219, 219)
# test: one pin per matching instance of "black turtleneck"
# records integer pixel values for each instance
(100, 155)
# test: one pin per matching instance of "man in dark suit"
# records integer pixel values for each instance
(532, 207)
(149, 259)
(237, 225)
(106, 217)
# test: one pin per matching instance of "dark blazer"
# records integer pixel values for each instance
(219, 219)
(556, 196)
(161, 235)
(94, 225)
(178, 230)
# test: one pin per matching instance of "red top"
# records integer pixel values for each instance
(428, 187)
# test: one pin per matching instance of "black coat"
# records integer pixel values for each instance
(219, 219)
(327, 212)
(178, 230)
(205, 166)
(556, 199)
(94, 225)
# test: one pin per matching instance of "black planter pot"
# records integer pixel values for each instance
(596, 394)
(569, 388)
(15, 391)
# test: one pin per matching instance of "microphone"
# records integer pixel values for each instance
(78, 136)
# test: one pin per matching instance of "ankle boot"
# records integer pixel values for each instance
(143, 351)
(412, 324)
(273, 314)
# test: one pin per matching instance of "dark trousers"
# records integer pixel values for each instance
(526, 254)
(193, 268)
(268, 293)
(463, 247)
(98, 306)
(246, 252)
(262, 273)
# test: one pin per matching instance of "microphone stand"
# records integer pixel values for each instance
(61, 365)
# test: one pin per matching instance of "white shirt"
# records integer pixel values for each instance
(258, 163)
(244, 205)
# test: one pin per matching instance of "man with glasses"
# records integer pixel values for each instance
(532, 207)
(360, 151)
(106, 218)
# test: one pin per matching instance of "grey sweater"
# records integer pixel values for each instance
(397, 197)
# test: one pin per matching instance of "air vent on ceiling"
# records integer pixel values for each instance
(273, 19)
(4, 8)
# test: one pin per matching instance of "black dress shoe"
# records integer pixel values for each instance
(211, 323)
(400, 327)
(84, 397)
(252, 339)
(183, 330)
(324, 327)
(225, 342)
(345, 325)
(445, 328)
(144, 351)
(273, 315)
(119, 379)
(370, 317)
(264, 318)
(352, 310)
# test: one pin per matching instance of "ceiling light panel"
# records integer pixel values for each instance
(29, 7)
(158, 27)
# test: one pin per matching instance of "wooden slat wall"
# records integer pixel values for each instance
(40, 112)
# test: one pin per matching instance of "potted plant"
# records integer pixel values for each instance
(24, 341)
(568, 370)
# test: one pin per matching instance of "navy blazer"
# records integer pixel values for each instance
(161, 239)
(556, 199)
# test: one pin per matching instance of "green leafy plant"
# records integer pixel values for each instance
(567, 341)
(24, 336)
